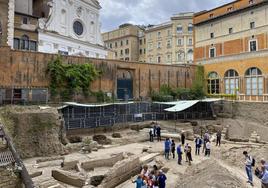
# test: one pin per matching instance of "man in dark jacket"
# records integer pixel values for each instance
(182, 138)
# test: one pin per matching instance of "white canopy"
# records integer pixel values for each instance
(182, 105)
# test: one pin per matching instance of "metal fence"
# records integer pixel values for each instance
(76, 117)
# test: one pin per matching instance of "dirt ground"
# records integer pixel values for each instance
(223, 169)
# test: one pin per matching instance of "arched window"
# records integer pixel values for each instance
(231, 82)
(24, 42)
(213, 83)
(190, 28)
(254, 81)
(190, 55)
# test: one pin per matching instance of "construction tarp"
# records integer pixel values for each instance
(91, 105)
(182, 105)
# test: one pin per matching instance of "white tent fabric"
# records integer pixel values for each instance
(93, 105)
(181, 105)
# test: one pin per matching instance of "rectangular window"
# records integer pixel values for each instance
(115, 54)
(252, 25)
(121, 43)
(168, 33)
(180, 42)
(25, 20)
(230, 30)
(190, 28)
(159, 34)
(127, 51)
(211, 35)
(144, 51)
(126, 42)
(140, 51)
(115, 44)
(16, 43)
(190, 42)
(212, 52)
(211, 15)
(168, 44)
(140, 41)
(159, 45)
(111, 45)
(179, 29)
(121, 52)
(229, 9)
(33, 46)
(253, 46)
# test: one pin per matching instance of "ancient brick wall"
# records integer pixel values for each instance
(20, 69)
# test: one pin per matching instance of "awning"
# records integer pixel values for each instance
(182, 105)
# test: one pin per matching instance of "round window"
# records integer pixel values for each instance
(78, 28)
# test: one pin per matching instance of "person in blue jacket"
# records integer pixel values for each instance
(179, 152)
(162, 179)
(167, 148)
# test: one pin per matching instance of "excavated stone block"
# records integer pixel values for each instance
(68, 178)
(69, 165)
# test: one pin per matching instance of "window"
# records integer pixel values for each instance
(252, 25)
(169, 58)
(78, 28)
(213, 83)
(230, 30)
(190, 41)
(211, 35)
(33, 46)
(250, 2)
(158, 59)
(127, 59)
(158, 45)
(159, 34)
(253, 45)
(24, 42)
(127, 51)
(212, 52)
(115, 44)
(254, 81)
(180, 42)
(16, 43)
(121, 43)
(144, 41)
(140, 41)
(190, 55)
(229, 9)
(121, 52)
(179, 29)
(25, 20)
(169, 44)
(126, 42)
(111, 45)
(211, 15)
(231, 82)
(168, 33)
(115, 54)
(190, 28)
(140, 51)
(181, 56)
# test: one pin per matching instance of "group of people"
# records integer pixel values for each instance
(261, 171)
(154, 178)
(155, 132)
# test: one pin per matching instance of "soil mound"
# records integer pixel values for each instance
(209, 174)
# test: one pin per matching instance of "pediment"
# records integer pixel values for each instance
(95, 3)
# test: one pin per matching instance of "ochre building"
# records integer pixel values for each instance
(231, 41)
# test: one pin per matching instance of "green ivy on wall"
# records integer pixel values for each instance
(69, 79)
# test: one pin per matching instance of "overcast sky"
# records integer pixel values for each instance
(117, 12)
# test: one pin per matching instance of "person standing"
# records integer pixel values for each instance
(139, 182)
(208, 147)
(162, 179)
(179, 152)
(198, 144)
(218, 138)
(182, 138)
(173, 147)
(189, 154)
(167, 148)
(154, 130)
(158, 132)
(248, 166)
(264, 179)
(151, 134)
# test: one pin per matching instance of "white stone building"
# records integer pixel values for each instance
(69, 27)
(72, 27)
